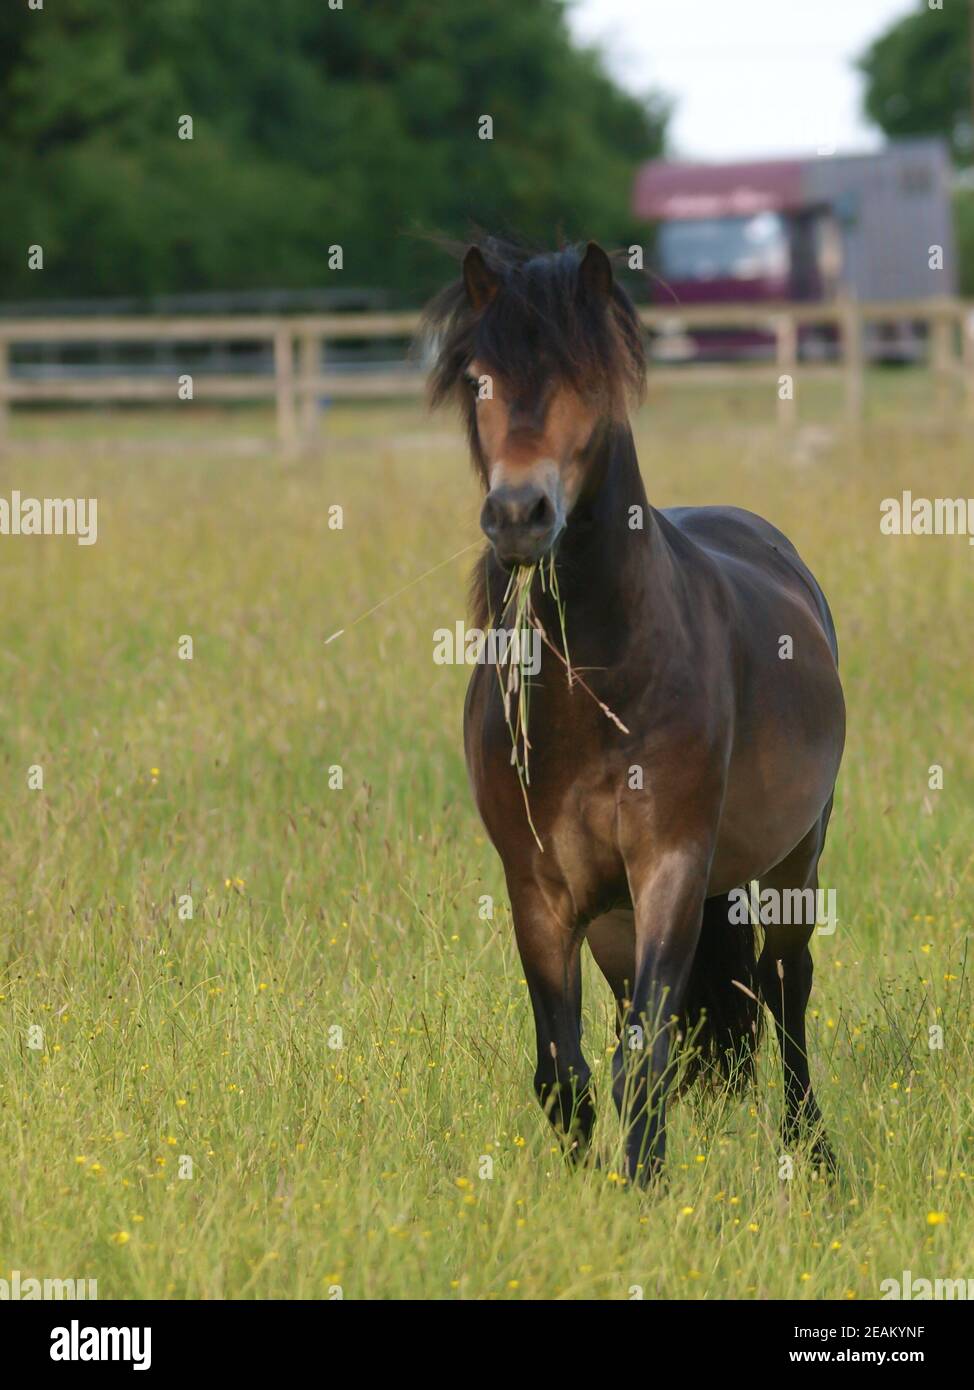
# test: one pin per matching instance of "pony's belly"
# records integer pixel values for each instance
(789, 733)
(763, 820)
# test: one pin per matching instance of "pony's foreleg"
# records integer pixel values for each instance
(668, 897)
(549, 946)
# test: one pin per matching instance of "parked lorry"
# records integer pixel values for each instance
(875, 227)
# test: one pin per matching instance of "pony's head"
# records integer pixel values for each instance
(542, 351)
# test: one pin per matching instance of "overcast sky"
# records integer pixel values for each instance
(749, 77)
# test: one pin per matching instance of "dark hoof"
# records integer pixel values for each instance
(647, 1173)
(818, 1149)
(824, 1159)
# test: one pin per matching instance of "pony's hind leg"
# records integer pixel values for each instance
(785, 976)
(612, 941)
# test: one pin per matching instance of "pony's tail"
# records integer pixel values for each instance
(722, 1015)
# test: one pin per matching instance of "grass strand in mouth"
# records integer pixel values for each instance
(519, 615)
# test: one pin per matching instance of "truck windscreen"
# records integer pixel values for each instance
(724, 248)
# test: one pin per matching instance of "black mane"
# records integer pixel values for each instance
(538, 327)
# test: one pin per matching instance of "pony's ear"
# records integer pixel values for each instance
(595, 273)
(479, 280)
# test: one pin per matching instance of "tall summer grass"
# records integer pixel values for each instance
(339, 1038)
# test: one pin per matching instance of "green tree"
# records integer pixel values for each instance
(918, 76)
(964, 231)
(920, 81)
(312, 127)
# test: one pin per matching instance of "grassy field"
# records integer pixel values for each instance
(315, 909)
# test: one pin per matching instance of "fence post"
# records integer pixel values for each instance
(965, 318)
(284, 387)
(4, 403)
(852, 347)
(941, 355)
(308, 361)
(786, 357)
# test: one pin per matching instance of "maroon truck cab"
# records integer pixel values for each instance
(793, 230)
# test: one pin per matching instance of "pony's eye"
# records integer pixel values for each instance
(473, 383)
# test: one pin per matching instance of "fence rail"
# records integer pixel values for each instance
(299, 380)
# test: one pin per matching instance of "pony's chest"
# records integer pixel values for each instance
(570, 789)
(582, 838)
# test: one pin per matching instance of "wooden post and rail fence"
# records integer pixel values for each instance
(301, 378)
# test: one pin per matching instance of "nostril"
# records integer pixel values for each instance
(489, 521)
(511, 515)
(540, 515)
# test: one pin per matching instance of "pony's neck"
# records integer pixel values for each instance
(612, 543)
(612, 510)
(611, 560)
